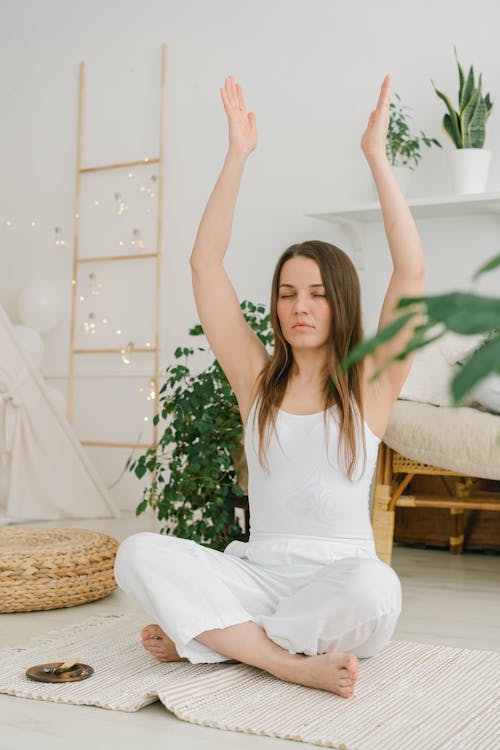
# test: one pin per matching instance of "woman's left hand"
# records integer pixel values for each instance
(374, 138)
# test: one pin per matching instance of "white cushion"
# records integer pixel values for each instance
(456, 438)
(434, 366)
(486, 393)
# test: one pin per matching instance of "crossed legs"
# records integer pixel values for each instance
(209, 606)
(247, 642)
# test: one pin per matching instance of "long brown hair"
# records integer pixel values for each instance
(343, 292)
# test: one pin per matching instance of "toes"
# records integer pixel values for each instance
(351, 676)
(350, 663)
(346, 691)
(151, 631)
(155, 646)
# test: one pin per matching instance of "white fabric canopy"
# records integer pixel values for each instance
(51, 476)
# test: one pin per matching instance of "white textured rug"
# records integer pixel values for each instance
(412, 695)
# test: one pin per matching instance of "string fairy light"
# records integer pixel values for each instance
(121, 205)
(150, 388)
(125, 352)
(60, 241)
(95, 286)
(148, 190)
(139, 242)
(89, 325)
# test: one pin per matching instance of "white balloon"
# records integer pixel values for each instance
(57, 398)
(30, 341)
(40, 305)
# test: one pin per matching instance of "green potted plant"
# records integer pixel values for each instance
(462, 312)
(198, 468)
(466, 128)
(403, 147)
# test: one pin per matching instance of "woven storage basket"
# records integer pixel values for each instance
(45, 568)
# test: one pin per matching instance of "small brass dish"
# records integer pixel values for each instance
(77, 672)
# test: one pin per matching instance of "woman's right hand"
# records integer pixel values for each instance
(242, 126)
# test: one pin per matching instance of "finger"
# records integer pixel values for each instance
(227, 91)
(225, 101)
(241, 101)
(383, 100)
(233, 96)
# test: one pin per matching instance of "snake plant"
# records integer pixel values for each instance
(466, 128)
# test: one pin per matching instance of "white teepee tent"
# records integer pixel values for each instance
(51, 477)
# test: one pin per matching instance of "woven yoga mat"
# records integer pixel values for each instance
(411, 695)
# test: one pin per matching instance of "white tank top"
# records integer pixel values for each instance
(304, 494)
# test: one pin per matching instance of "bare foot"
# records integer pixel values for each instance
(157, 642)
(335, 672)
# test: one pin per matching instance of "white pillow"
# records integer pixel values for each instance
(487, 393)
(434, 366)
(429, 377)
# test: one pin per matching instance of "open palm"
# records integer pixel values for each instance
(374, 138)
(242, 125)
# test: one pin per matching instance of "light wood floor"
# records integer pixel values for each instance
(447, 599)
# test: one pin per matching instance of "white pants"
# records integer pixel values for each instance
(309, 595)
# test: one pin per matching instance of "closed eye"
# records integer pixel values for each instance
(284, 296)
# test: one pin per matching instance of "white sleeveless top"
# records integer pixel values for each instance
(305, 496)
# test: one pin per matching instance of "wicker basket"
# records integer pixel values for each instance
(48, 568)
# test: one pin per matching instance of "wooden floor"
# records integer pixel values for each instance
(447, 599)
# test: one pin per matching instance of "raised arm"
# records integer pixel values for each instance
(404, 242)
(408, 276)
(238, 349)
(214, 232)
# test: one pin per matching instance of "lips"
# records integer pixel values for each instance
(302, 325)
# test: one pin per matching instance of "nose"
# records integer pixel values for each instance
(300, 305)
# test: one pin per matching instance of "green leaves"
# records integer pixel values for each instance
(466, 128)
(451, 120)
(401, 146)
(486, 359)
(369, 345)
(462, 312)
(488, 266)
(195, 479)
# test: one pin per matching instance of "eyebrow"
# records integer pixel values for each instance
(292, 286)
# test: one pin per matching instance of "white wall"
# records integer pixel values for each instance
(310, 70)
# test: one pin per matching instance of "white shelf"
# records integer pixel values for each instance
(355, 217)
(436, 206)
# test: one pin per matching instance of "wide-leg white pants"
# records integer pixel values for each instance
(309, 595)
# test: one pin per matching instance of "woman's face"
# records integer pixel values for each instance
(302, 299)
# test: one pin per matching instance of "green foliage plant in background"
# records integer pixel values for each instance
(461, 312)
(467, 127)
(402, 147)
(198, 449)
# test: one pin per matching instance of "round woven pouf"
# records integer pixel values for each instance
(45, 568)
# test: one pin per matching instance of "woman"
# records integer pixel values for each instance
(306, 596)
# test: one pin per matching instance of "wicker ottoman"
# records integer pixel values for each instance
(47, 568)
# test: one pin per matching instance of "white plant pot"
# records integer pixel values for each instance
(403, 176)
(469, 169)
